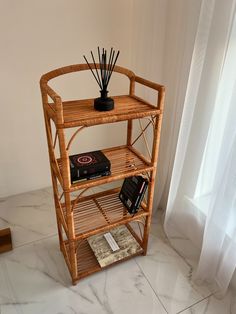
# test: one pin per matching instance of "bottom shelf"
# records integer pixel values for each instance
(87, 262)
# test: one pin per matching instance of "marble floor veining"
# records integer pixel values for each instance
(34, 278)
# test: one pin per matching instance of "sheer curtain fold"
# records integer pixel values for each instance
(202, 198)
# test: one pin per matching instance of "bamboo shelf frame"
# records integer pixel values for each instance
(83, 216)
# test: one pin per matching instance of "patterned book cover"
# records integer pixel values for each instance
(103, 252)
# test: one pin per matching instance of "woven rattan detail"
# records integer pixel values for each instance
(97, 212)
(81, 112)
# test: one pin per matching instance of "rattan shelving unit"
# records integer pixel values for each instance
(80, 216)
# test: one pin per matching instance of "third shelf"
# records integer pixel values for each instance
(95, 213)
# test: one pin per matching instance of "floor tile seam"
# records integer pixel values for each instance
(198, 302)
(156, 236)
(14, 296)
(186, 262)
(192, 267)
(151, 286)
(176, 251)
(34, 241)
(173, 248)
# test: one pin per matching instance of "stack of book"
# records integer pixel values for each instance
(115, 245)
(89, 166)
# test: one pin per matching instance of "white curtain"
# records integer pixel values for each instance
(202, 198)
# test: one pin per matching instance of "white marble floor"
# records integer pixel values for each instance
(34, 278)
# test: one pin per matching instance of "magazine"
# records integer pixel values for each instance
(122, 245)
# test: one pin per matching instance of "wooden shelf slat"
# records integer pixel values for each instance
(81, 112)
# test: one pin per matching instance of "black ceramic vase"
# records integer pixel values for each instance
(103, 103)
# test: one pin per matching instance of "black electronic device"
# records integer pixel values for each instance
(132, 192)
(89, 165)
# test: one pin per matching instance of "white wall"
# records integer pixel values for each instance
(148, 38)
(37, 36)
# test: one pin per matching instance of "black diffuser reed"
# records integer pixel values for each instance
(102, 76)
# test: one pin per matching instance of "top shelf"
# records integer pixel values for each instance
(82, 113)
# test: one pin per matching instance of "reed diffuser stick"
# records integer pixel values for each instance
(107, 64)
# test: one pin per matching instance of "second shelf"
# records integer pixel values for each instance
(125, 161)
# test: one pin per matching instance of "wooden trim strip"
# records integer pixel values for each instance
(149, 84)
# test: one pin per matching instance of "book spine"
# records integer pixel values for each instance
(140, 196)
(99, 175)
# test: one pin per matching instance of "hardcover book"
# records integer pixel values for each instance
(106, 253)
(132, 192)
(89, 165)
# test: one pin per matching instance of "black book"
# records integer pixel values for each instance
(89, 165)
(132, 192)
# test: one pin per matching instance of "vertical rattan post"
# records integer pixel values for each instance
(54, 180)
(50, 152)
(66, 187)
(155, 149)
(130, 122)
